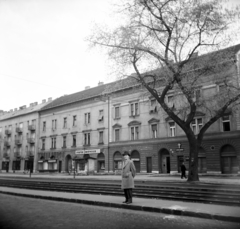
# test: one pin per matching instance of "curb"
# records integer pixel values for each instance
(132, 207)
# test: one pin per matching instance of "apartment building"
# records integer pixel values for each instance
(74, 133)
(19, 138)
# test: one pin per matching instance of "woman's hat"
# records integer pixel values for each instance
(126, 153)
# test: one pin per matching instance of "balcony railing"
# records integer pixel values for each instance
(19, 130)
(30, 153)
(18, 141)
(6, 143)
(8, 131)
(31, 140)
(31, 127)
(17, 154)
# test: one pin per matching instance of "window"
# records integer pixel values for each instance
(134, 132)
(154, 130)
(74, 141)
(64, 142)
(44, 126)
(64, 122)
(43, 143)
(117, 112)
(226, 123)
(53, 143)
(172, 129)
(134, 109)
(75, 120)
(117, 134)
(87, 118)
(153, 108)
(196, 125)
(153, 102)
(170, 100)
(100, 118)
(54, 124)
(117, 165)
(87, 139)
(101, 165)
(101, 137)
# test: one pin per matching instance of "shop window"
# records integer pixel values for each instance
(102, 165)
(117, 165)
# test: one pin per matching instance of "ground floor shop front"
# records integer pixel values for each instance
(73, 161)
(217, 155)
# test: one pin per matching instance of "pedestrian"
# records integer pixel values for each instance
(183, 171)
(128, 173)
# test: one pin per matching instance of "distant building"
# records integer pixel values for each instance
(19, 138)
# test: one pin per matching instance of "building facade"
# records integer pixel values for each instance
(74, 133)
(19, 138)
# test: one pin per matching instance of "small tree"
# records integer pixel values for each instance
(159, 39)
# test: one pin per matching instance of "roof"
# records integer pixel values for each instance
(227, 53)
(78, 96)
(25, 111)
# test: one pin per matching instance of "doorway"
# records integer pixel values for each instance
(164, 161)
(149, 164)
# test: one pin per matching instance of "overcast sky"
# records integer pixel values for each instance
(43, 52)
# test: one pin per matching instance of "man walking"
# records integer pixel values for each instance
(183, 171)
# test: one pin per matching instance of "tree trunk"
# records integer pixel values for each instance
(193, 159)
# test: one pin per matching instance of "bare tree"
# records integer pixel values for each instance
(160, 39)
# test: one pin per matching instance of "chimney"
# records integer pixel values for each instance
(87, 87)
(44, 101)
(31, 104)
(49, 99)
(23, 107)
(35, 104)
(100, 83)
(15, 109)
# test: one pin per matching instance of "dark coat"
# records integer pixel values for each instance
(183, 168)
(128, 173)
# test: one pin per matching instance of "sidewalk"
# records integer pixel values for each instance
(212, 179)
(208, 211)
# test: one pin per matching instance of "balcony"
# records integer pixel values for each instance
(5, 155)
(19, 130)
(31, 140)
(31, 127)
(6, 143)
(18, 141)
(8, 132)
(30, 153)
(17, 153)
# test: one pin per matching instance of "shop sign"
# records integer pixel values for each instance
(179, 149)
(52, 161)
(89, 151)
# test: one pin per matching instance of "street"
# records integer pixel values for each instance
(28, 213)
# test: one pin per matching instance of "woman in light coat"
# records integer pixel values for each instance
(128, 173)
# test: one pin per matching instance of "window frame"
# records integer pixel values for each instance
(172, 129)
(226, 121)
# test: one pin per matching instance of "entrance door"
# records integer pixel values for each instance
(149, 164)
(202, 165)
(229, 165)
(164, 161)
(168, 164)
(60, 167)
